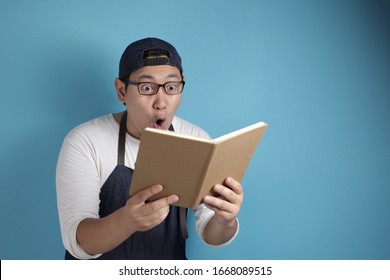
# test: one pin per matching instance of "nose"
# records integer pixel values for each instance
(160, 102)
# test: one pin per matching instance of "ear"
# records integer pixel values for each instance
(120, 88)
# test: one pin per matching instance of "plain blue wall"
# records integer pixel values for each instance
(317, 71)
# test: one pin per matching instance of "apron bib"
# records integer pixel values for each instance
(165, 241)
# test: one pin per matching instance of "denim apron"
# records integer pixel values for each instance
(165, 241)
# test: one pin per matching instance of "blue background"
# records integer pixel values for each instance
(317, 71)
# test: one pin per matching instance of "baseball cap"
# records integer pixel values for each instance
(133, 58)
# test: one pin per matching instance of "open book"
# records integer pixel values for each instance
(190, 166)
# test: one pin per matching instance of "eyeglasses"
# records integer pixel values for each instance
(150, 88)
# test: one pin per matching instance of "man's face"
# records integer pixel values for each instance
(149, 111)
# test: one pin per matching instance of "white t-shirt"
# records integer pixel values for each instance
(88, 156)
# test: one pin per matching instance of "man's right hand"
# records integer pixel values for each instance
(142, 215)
(100, 235)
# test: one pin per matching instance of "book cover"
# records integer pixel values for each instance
(190, 166)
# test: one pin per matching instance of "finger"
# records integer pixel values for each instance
(225, 192)
(154, 219)
(218, 204)
(161, 203)
(142, 196)
(234, 185)
(147, 212)
(224, 211)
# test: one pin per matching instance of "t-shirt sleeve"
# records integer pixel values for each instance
(77, 185)
(202, 217)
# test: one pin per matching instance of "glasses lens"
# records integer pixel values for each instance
(173, 87)
(147, 88)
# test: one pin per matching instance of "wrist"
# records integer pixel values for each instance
(227, 224)
(219, 232)
(123, 222)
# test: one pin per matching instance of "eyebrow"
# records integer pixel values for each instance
(146, 76)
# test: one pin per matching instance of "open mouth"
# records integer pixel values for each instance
(159, 124)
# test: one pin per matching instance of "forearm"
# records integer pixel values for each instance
(216, 233)
(97, 236)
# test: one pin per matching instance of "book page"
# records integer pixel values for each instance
(238, 132)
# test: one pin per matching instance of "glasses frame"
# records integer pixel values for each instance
(158, 87)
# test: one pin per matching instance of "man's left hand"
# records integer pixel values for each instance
(227, 205)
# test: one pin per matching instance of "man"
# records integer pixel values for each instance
(98, 217)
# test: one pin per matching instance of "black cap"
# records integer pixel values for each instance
(133, 58)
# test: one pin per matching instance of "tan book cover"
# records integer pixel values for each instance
(190, 166)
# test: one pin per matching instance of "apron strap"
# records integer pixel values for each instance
(183, 222)
(122, 139)
(121, 161)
